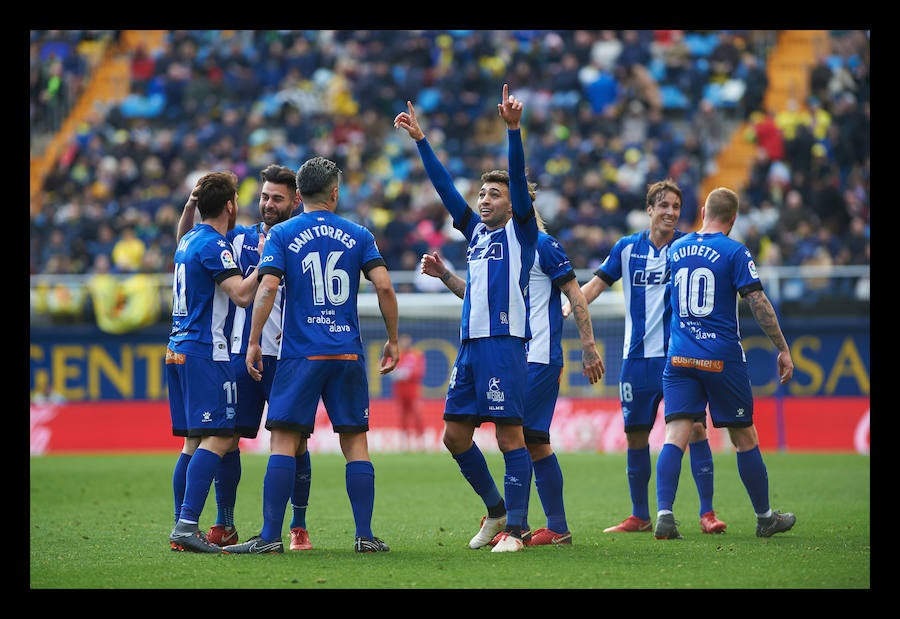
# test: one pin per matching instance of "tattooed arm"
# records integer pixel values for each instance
(765, 315)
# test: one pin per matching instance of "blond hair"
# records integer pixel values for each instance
(722, 204)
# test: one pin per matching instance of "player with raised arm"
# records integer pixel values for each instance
(639, 260)
(199, 376)
(490, 374)
(706, 365)
(321, 257)
(551, 276)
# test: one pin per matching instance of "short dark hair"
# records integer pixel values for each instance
(214, 190)
(502, 176)
(657, 189)
(316, 178)
(279, 175)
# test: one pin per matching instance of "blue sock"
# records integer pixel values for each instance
(200, 472)
(360, 476)
(474, 468)
(702, 469)
(755, 476)
(516, 484)
(637, 468)
(668, 470)
(300, 496)
(548, 479)
(227, 477)
(277, 484)
(179, 481)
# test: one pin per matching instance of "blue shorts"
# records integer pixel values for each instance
(640, 392)
(488, 382)
(543, 391)
(202, 395)
(726, 389)
(341, 383)
(252, 395)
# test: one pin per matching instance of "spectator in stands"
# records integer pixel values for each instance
(709, 127)
(128, 252)
(183, 144)
(724, 57)
(756, 83)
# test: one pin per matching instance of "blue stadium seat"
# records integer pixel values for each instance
(726, 95)
(673, 98)
(700, 44)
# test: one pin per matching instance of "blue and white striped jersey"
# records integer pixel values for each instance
(644, 273)
(320, 256)
(499, 261)
(551, 268)
(200, 307)
(708, 273)
(245, 240)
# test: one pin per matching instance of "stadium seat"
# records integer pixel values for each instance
(673, 98)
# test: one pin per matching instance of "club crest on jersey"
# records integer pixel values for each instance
(227, 259)
(494, 393)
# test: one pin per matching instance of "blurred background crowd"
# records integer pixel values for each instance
(607, 113)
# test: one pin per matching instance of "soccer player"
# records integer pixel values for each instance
(550, 277)
(278, 199)
(639, 260)
(321, 256)
(406, 388)
(706, 364)
(490, 374)
(199, 376)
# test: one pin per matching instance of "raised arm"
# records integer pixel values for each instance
(510, 110)
(186, 221)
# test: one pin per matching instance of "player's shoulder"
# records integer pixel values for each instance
(681, 239)
(241, 229)
(633, 239)
(545, 239)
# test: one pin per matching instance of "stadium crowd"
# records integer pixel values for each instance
(600, 128)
